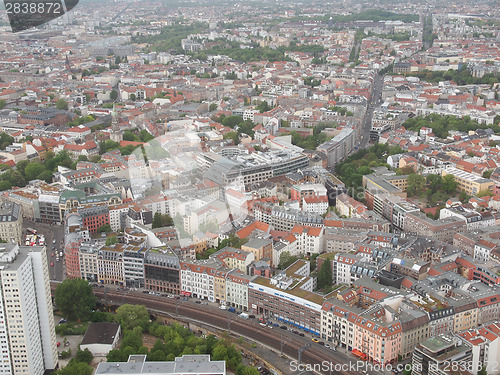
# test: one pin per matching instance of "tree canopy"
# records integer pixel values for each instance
(131, 316)
(75, 299)
(325, 275)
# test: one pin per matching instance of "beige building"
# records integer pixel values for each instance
(469, 183)
(11, 222)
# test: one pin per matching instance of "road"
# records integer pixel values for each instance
(315, 355)
(376, 92)
(51, 232)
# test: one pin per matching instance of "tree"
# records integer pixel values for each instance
(416, 184)
(62, 104)
(111, 240)
(104, 228)
(212, 107)
(449, 184)
(132, 97)
(75, 368)
(113, 95)
(325, 275)
(84, 356)
(157, 220)
(286, 259)
(131, 316)
(75, 299)
(33, 170)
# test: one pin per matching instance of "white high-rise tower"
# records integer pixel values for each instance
(27, 332)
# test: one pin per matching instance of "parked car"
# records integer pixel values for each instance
(52, 264)
(321, 343)
(231, 310)
(301, 334)
(327, 346)
(314, 339)
(263, 324)
(251, 316)
(62, 321)
(145, 291)
(197, 301)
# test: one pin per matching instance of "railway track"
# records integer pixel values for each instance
(315, 355)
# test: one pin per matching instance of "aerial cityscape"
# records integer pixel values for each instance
(228, 187)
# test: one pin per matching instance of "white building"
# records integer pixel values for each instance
(485, 342)
(237, 289)
(342, 264)
(197, 279)
(27, 333)
(310, 240)
(318, 205)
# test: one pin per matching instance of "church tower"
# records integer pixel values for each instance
(116, 134)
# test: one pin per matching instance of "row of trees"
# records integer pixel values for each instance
(441, 125)
(461, 76)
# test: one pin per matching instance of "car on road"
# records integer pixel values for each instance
(52, 254)
(52, 264)
(314, 339)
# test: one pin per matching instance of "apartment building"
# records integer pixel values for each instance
(310, 240)
(376, 337)
(485, 343)
(11, 222)
(27, 333)
(237, 289)
(443, 230)
(261, 248)
(234, 258)
(342, 264)
(197, 279)
(110, 265)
